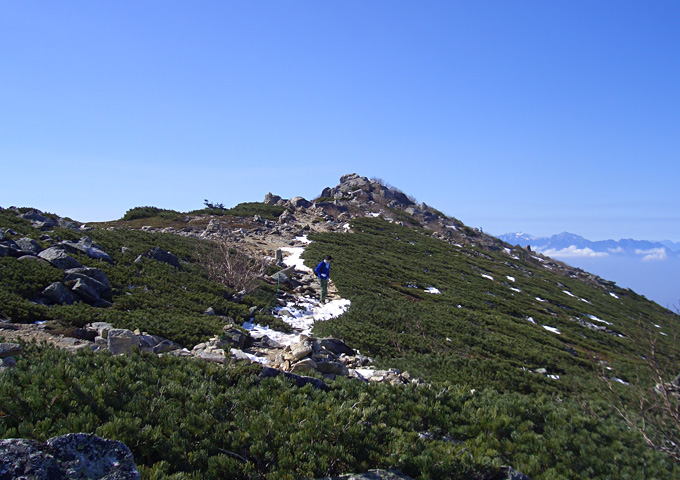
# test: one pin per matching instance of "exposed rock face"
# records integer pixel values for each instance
(76, 456)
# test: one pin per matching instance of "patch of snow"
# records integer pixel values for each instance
(487, 276)
(512, 279)
(552, 329)
(554, 377)
(432, 290)
(614, 295)
(302, 239)
(307, 311)
(593, 317)
(374, 214)
(656, 325)
(516, 290)
(365, 372)
(540, 299)
(258, 331)
(531, 319)
(584, 300)
(507, 250)
(664, 334)
(621, 381)
(294, 260)
(569, 293)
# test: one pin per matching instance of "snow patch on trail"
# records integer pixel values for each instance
(303, 312)
(294, 258)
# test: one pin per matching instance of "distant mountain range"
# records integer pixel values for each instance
(569, 245)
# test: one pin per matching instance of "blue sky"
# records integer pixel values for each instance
(529, 116)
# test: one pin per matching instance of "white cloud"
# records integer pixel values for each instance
(573, 251)
(652, 254)
(616, 250)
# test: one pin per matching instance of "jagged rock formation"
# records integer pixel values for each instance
(76, 456)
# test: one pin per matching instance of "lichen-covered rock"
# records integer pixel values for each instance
(76, 456)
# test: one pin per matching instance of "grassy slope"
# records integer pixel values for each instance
(187, 419)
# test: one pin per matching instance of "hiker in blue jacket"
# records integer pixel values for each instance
(323, 271)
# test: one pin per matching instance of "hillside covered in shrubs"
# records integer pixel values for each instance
(526, 364)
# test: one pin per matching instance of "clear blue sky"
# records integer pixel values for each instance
(527, 116)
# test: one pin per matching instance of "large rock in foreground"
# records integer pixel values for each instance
(76, 456)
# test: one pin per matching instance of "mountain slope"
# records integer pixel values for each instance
(510, 343)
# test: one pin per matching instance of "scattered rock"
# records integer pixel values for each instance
(333, 345)
(373, 475)
(87, 247)
(59, 258)
(59, 294)
(10, 349)
(78, 456)
(85, 291)
(121, 341)
(29, 246)
(160, 255)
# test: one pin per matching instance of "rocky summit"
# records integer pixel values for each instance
(195, 344)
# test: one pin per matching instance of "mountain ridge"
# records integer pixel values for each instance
(565, 240)
(513, 346)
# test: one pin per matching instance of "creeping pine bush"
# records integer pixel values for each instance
(149, 295)
(192, 419)
(483, 406)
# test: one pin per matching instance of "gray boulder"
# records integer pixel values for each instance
(76, 456)
(233, 337)
(85, 291)
(121, 341)
(86, 246)
(10, 349)
(59, 293)
(59, 258)
(334, 368)
(335, 346)
(299, 202)
(29, 246)
(39, 221)
(161, 255)
(99, 285)
(94, 273)
(7, 362)
(165, 346)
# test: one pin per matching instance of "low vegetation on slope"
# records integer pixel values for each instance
(484, 406)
